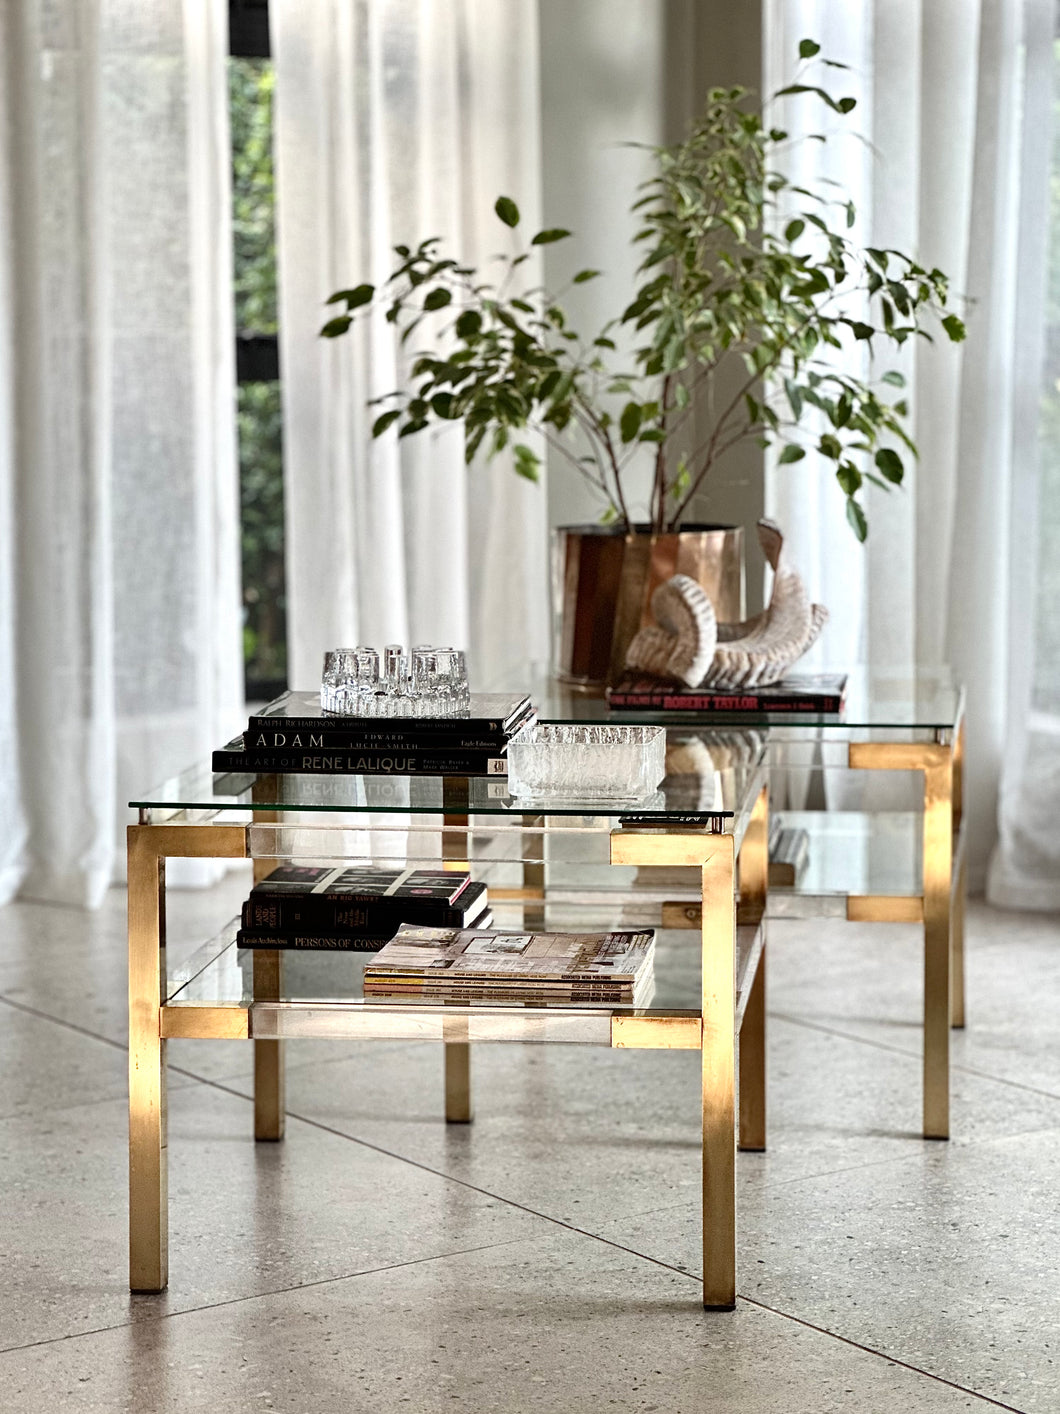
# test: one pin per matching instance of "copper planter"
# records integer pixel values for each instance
(603, 580)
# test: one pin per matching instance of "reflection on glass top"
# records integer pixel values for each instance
(712, 777)
(905, 698)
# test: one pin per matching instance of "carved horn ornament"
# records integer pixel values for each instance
(687, 645)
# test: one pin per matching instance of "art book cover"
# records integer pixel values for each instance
(364, 883)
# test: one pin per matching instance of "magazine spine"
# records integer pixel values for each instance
(472, 729)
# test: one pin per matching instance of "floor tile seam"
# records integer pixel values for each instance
(910, 1055)
(62, 1021)
(260, 1295)
(883, 1355)
(561, 1223)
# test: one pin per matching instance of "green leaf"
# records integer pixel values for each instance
(852, 213)
(437, 299)
(442, 403)
(584, 275)
(793, 230)
(555, 233)
(334, 327)
(848, 477)
(387, 419)
(629, 424)
(468, 324)
(791, 453)
(830, 446)
(681, 395)
(893, 377)
(412, 427)
(856, 517)
(954, 327)
(846, 105)
(889, 464)
(507, 210)
(361, 294)
(808, 48)
(527, 462)
(862, 331)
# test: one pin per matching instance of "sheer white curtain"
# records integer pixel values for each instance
(119, 574)
(397, 120)
(941, 87)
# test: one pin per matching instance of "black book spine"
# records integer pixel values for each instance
(324, 913)
(362, 763)
(332, 740)
(384, 730)
(724, 702)
(348, 942)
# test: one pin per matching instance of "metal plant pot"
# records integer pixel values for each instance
(603, 580)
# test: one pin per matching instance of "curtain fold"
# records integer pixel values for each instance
(118, 478)
(942, 85)
(398, 121)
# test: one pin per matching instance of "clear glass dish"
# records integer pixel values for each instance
(576, 762)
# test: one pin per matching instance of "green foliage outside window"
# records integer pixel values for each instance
(251, 83)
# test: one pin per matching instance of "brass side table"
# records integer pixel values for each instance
(717, 1008)
(890, 867)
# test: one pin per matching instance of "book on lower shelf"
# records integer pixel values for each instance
(817, 694)
(359, 906)
(473, 965)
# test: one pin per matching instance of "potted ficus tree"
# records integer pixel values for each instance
(724, 276)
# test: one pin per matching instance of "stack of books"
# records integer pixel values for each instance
(454, 965)
(358, 908)
(293, 734)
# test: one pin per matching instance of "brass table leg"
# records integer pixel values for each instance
(940, 763)
(534, 876)
(454, 856)
(714, 855)
(270, 1090)
(148, 1160)
(754, 882)
(938, 881)
(719, 1076)
(957, 922)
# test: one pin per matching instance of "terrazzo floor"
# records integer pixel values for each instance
(545, 1257)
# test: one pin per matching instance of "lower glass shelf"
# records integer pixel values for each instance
(320, 993)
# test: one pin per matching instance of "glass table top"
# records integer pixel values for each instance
(720, 775)
(901, 699)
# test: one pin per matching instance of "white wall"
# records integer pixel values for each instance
(615, 71)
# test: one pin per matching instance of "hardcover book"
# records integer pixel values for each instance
(368, 940)
(401, 761)
(492, 716)
(819, 694)
(346, 900)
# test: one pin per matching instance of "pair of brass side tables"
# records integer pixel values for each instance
(716, 824)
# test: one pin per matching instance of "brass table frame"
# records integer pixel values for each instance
(728, 1029)
(940, 905)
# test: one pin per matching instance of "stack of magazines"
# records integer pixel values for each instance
(358, 908)
(294, 734)
(454, 965)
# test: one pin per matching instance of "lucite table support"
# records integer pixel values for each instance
(728, 1029)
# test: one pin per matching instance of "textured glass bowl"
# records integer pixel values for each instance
(587, 762)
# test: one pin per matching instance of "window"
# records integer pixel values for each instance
(259, 420)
